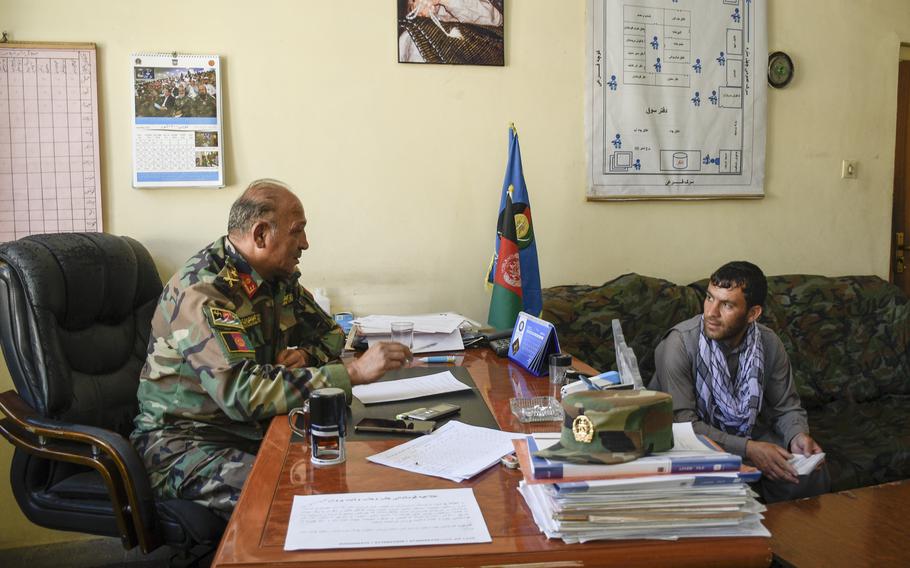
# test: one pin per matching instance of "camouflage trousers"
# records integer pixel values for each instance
(211, 474)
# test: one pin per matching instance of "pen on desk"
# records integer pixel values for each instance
(438, 359)
(428, 345)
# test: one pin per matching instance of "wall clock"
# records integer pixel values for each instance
(780, 69)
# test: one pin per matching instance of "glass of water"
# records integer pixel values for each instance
(403, 332)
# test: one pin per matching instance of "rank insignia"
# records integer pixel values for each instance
(288, 298)
(224, 318)
(236, 342)
(249, 285)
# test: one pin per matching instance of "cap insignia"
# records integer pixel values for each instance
(583, 429)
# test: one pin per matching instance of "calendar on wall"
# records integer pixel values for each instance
(177, 121)
(50, 166)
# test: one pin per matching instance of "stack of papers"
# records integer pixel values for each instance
(432, 332)
(456, 451)
(620, 503)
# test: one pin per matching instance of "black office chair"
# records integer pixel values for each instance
(75, 318)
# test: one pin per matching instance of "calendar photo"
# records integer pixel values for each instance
(177, 135)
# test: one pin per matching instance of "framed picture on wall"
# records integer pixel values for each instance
(456, 32)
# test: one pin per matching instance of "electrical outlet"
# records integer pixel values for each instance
(848, 169)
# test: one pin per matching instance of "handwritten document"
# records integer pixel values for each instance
(391, 518)
(404, 389)
(456, 451)
(50, 166)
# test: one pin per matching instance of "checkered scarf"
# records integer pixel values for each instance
(724, 403)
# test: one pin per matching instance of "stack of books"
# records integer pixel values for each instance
(694, 490)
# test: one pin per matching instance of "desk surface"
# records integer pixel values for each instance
(860, 527)
(255, 534)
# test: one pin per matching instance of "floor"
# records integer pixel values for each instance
(100, 552)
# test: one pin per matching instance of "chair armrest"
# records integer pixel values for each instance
(104, 450)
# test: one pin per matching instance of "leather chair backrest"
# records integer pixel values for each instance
(76, 333)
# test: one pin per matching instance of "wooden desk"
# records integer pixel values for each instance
(255, 534)
(861, 527)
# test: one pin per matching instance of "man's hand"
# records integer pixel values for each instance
(379, 358)
(771, 459)
(292, 358)
(804, 444)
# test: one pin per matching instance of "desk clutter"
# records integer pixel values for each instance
(579, 488)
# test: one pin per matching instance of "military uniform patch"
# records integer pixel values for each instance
(288, 298)
(250, 320)
(249, 285)
(224, 318)
(231, 276)
(236, 342)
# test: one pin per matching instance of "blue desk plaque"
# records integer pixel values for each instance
(533, 340)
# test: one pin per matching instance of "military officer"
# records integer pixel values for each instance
(236, 340)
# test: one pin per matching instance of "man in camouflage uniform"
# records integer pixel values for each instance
(731, 377)
(235, 341)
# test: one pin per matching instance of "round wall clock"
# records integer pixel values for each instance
(780, 69)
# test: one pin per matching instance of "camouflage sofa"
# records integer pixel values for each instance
(847, 337)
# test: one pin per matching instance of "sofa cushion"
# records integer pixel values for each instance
(646, 307)
(865, 443)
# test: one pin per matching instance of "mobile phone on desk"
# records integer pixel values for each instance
(432, 413)
(413, 427)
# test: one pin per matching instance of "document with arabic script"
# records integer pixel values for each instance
(388, 518)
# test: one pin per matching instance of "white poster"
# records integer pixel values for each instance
(676, 98)
(177, 121)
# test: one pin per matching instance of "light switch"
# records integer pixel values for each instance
(848, 169)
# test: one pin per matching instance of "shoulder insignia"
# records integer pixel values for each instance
(223, 318)
(249, 285)
(288, 298)
(230, 276)
(236, 342)
(250, 320)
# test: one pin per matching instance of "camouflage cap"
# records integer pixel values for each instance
(610, 427)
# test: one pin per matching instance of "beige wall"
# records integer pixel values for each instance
(400, 166)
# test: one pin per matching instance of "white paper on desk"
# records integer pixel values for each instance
(427, 342)
(387, 518)
(457, 451)
(403, 389)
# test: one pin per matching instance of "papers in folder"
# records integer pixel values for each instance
(432, 332)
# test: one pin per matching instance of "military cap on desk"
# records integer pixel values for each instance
(610, 427)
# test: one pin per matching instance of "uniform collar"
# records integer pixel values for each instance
(237, 267)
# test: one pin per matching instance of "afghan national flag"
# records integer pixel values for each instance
(514, 273)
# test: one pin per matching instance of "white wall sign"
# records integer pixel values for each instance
(676, 98)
